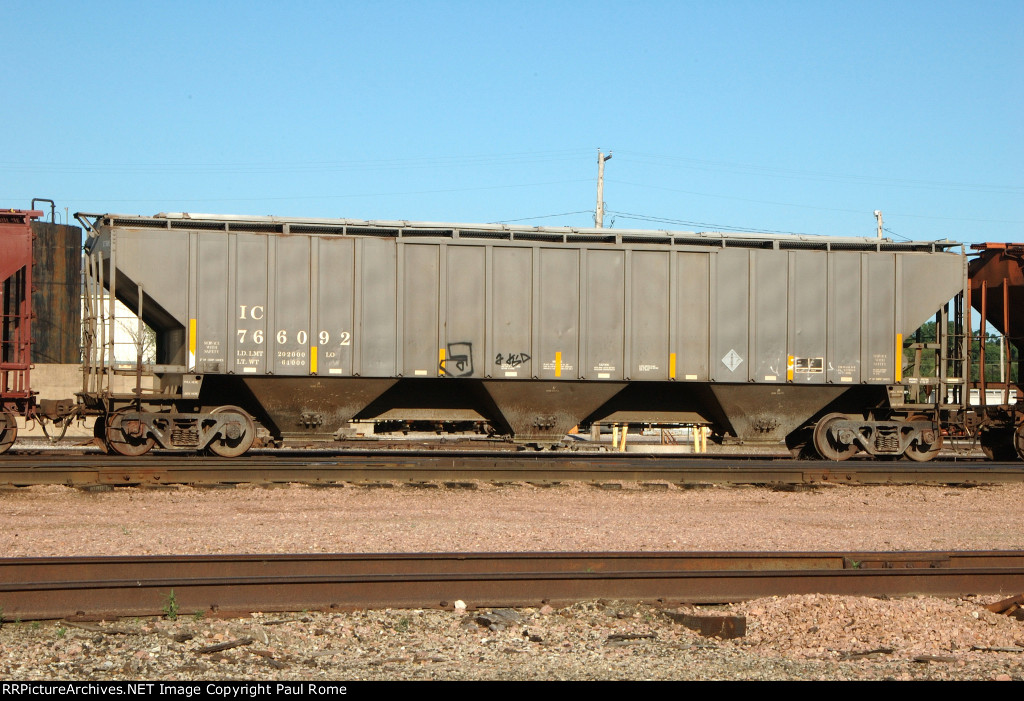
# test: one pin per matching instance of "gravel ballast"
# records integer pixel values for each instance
(796, 637)
(43, 521)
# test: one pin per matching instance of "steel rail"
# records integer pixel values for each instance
(95, 588)
(434, 466)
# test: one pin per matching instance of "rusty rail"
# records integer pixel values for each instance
(406, 467)
(107, 587)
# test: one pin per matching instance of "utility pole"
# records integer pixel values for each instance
(599, 212)
(878, 216)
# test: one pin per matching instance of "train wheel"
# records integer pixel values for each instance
(8, 431)
(929, 445)
(227, 447)
(99, 433)
(1018, 441)
(998, 445)
(826, 445)
(121, 439)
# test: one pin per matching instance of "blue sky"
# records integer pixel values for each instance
(772, 116)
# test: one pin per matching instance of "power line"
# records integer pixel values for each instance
(543, 216)
(885, 228)
(703, 225)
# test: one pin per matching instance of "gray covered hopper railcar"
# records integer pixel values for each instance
(307, 324)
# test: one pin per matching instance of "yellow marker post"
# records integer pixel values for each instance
(899, 357)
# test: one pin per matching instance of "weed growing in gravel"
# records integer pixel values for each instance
(170, 608)
(402, 625)
(61, 631)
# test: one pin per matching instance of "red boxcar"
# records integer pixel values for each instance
(15, 321)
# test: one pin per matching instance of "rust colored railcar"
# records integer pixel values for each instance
(15, 321)
(997, 294)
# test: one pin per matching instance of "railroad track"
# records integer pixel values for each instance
(107, 587)
(462, 467)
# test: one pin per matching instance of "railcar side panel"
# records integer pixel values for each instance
(377, 328)
(605, 284)
(290, 334)
(511, 321)
(730, 355)
(250, 305)
(649, 307)
(336, 294)
(421, 355)
(878, 330)
(465, 312)
(844, 315)
(808, 317)
(769, 343)
(558, 317)
(211, 305)
(693, 322)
